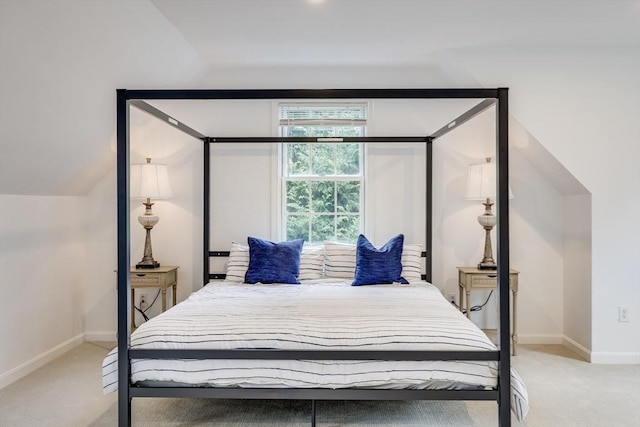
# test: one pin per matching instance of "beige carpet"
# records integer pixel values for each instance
(564, 391)
(204, 412)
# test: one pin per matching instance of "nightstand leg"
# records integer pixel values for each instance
(467, 303)
(174, 294)
(164, 300)
(133, 311)
(460, 299)
(514, 336)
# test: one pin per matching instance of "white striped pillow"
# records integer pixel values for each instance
(311, 263)
(412, 262)
(238, 263)
(340, 261)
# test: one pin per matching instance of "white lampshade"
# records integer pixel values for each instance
(150, 181)
(481, 182)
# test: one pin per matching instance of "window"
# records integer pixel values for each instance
(323, 182)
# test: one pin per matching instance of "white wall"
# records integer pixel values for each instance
(536, 224)
(90, 48)
(177, 238)
(43, 258)
(577, 273)
(541, 288)
(243, 190)
(100, 298)
(238, 194)
(536, 242)
(583, 105)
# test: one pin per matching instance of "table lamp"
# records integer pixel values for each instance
(149, 181)
(481, 185)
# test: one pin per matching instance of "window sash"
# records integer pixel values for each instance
(288, 174)
(323, 116)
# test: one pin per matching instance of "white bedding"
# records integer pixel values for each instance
(321, 314)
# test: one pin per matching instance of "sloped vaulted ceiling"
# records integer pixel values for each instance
(61, 60)
(61, 63)
(389, 32)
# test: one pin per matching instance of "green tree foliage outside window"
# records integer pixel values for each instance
(323, 182)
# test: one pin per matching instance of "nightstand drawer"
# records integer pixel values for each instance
(153, 279)
(482, 280)
(146, 278)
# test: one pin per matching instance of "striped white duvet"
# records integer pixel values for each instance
(322, 314)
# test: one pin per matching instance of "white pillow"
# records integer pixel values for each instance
(340, 261)
(412, 262)
(311, 263)
(238, 263)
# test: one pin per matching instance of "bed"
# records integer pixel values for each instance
(324, 314)
(470, 355)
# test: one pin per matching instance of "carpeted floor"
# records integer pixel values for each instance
(288, 413)
(564, 391)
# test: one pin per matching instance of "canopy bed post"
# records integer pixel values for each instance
(502, 150)
(429, 211)
(124, 290)
(206, 189)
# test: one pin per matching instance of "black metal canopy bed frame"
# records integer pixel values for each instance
(127, 390)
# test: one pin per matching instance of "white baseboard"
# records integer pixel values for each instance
(540, 339)
(29, 366)
(619, 358)
(101, 336)
(579, 349)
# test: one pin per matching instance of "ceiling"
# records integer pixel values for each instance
(366, 32)
(61, 60)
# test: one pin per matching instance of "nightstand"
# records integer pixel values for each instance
(161, 277)
(471, 278)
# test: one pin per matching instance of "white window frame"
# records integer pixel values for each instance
(284, 173)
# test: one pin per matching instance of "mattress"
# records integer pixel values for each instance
(326, 314)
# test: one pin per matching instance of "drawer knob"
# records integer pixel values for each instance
(493, 276)
(141, 274)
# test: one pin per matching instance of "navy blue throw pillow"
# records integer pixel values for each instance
(378, 266)
(273, 262)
